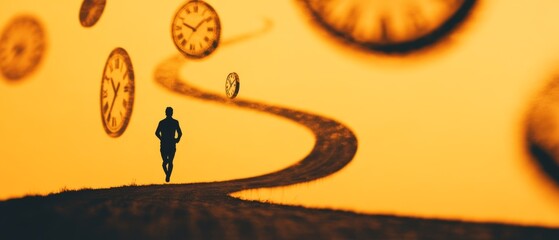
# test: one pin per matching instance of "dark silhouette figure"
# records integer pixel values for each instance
(166, 133)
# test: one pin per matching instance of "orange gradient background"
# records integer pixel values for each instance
(440, 132)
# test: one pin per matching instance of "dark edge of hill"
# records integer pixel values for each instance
(182, 211)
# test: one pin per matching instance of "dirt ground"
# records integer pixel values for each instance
(204, 211)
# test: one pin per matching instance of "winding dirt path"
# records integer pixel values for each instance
(335, 144)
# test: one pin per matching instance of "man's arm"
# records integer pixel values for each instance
(179, 132)
(158, 131)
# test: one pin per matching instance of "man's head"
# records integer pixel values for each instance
(169, 111)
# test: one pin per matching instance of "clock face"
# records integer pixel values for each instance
(117, 92)
(389, 26)
(91, 11)
(22, 46)
(196, 29)
(232, 85)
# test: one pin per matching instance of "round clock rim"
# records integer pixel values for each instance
(31, 68)
(237, 87)
(218, 32)
(83, 14)
(422, 41)
(130, 106)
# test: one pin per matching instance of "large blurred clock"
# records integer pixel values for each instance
(22, 46)
(388, 26)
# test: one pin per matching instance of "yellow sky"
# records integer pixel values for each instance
(439, 132)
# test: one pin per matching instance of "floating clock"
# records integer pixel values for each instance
(196, 29)
(389, 26)
(91, 11)
(232, 85)
(117, 92)
(22, 47)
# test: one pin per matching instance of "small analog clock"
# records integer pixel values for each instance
(91, 11)
(196, 29)
(117, 92)
(388, 26)
(22, 46)
(232, 85)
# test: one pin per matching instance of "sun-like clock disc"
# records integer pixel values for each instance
(117, 92)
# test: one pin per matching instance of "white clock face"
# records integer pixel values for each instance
(117, 92)
(196, 29)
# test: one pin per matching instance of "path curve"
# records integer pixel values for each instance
(335, 144)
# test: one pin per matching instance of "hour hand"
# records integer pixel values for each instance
(188, 26)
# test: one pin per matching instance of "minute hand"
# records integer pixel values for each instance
(201, 22)
(113, 103)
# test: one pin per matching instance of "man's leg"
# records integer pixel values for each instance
(164, 157)
(171, 156)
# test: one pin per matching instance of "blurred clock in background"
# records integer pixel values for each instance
(91, 11)
(542, 130)
(388, 26)
(22, 46)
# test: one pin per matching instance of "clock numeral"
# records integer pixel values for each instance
(110, 67)
(113, 121)
(126, 88)
(178, 28)
(195, 8)
(192, 46)
(105, 108)
(384, 33)
(117, 61)
(106, 78)
(210, 29)
(105, 94)
(452, 3)
(206, 39)
(417, 20)
(180, 36)
(183, 43)
(349, 24)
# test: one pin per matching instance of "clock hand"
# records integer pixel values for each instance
(112, 84)
(193, 29)
(200, 23)
(113, 103)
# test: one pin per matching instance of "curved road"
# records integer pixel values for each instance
(335, 144)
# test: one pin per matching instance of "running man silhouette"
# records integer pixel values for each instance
(166, 133)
